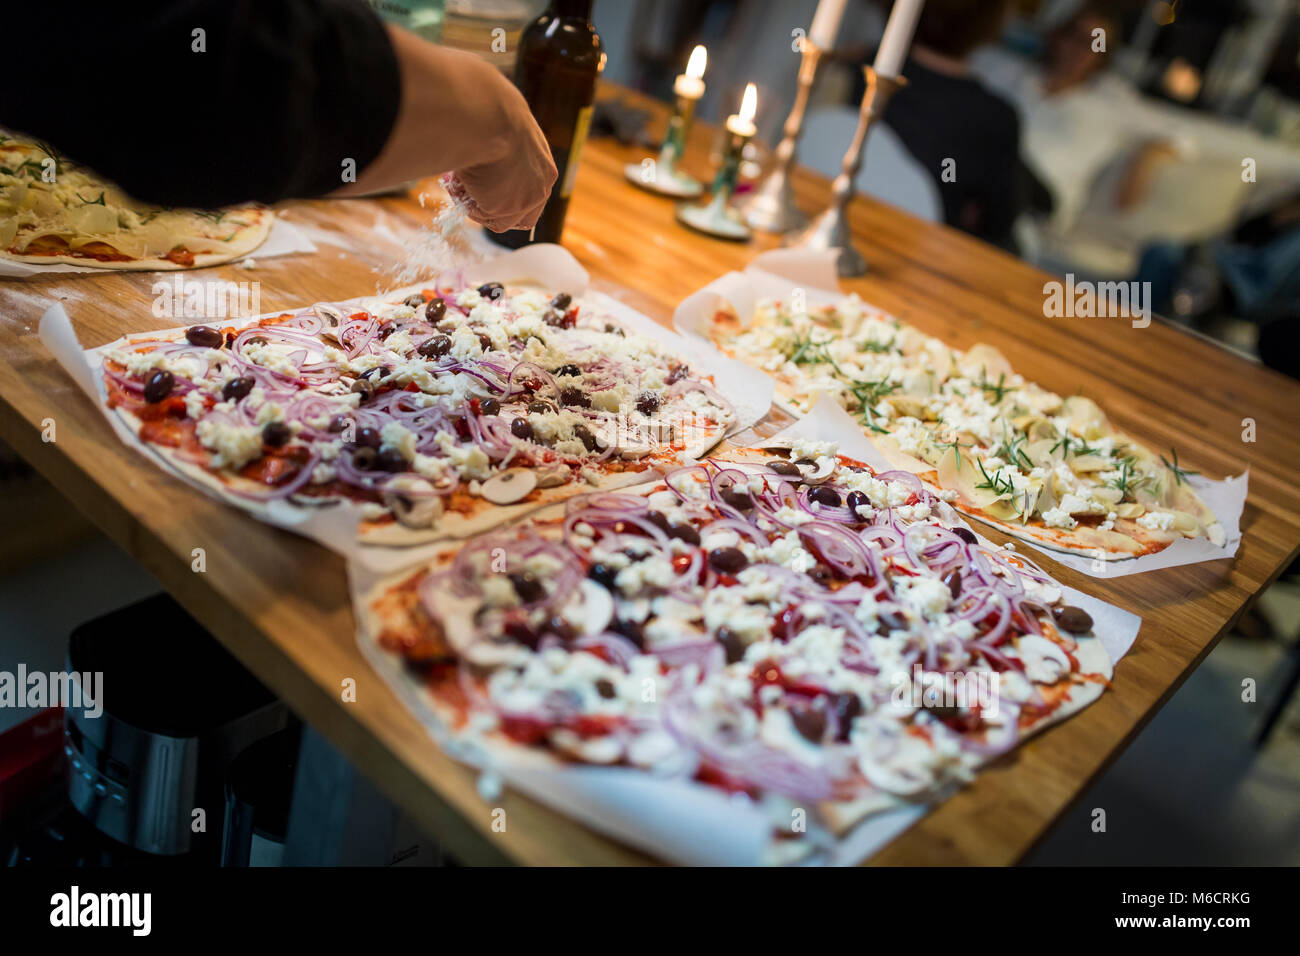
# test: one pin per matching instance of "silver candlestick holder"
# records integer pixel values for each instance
(831, 229)
(772, 207)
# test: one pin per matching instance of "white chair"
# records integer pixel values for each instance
(889, 172)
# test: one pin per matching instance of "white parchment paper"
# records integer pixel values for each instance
(778, 273)
(676, 820)
(284, 239)
(334, 525)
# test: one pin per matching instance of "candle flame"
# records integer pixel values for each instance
(698, 61)
(749, 103)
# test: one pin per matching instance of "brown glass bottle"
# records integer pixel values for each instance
(559, 62)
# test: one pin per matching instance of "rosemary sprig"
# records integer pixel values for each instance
(1125, 482)
(995, 483)
(955, 446)
(1179, 473)
(999, 390)
(1073, 446)
(1011, 451)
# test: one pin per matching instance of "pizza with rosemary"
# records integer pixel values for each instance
(1047, 469)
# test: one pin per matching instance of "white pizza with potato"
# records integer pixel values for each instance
(1047, 469)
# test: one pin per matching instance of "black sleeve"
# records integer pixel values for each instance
(266, 103)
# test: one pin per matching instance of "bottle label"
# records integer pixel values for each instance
(580, 128)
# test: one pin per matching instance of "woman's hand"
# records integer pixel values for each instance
(459, 114)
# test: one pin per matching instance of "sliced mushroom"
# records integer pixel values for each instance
(551, 476)
(510, 486)
(331, 317)
(597, 607)
(413, 501)
(819, 472)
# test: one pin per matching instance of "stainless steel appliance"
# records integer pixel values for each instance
(177, 709)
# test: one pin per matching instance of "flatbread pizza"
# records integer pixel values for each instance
(54, 211)
(1043, 468)
(784, 624)
(441, 412)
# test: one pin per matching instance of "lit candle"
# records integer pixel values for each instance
(826, 23)
(897, 37)
(690, 84)
(742, 124)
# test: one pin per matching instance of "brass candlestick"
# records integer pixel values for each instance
(717, 217)
(772, 207)
(831, 229)
(661, 175)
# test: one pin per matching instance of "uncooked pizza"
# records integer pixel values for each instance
(785, 625)
(54, 211)
(1047, 469)
(440, 412)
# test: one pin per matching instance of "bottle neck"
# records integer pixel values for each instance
(571, 9)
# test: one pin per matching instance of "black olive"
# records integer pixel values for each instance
(684, 532)
(605, 688)
(678, 373)
(158, 385)
(390, 459)
(375, 374)
(256, 340)
(414, 301)
(484, 342)
(737, 499)
(731, 643)
(1074, 620)
(821, 574)
(825, 496)
(363, 457)
(845, 706)
(276, 434)
(364, 388)
(613, 329)
(569, 369)
(954, 583)
(237, 388)
(561, 629)
(489, 406)
(647, 403)
(369, 437)
(584, 435)
(856, 500)
(967, 536)
(632, 630)
(658, 519)
(562, 301)
(553, 318)
(728, 560)
(520, 428)
(785, 468)
(541, 408)
(527, 587)
(492, 291)
(204, 336)
(337, 424)
(386, 331)
(435, 347)
(603, 575)
(810, 723)
(574, 396)
(435, 310)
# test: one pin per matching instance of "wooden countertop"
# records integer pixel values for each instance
(280, 603)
